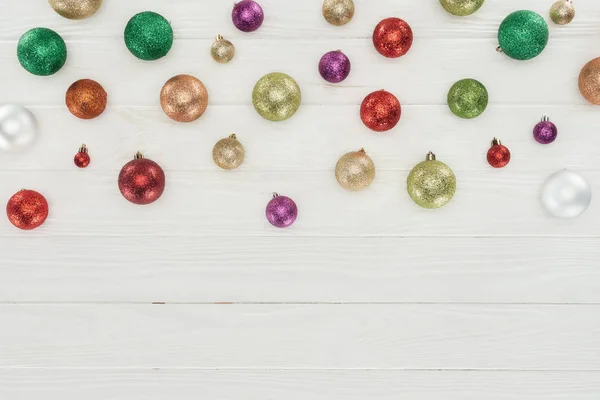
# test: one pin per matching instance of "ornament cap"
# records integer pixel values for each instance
(362, 150)
(219, 37)
(545, 118)
(83, 149)
(430, 156)
(275, 194)
(233, 136)
(496, 142)
(138, 156)
(499, 49)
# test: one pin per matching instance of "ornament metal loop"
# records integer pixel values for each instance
(545, 118)
(83, 149)
(499, 49)
(496, 142)
(138, 156)
(430, 156)
(275, 194)
(219, 37)
(233, 136)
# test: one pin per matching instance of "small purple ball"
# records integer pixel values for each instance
(247, 15)
(334, 66)
(281, 211)
(545, 132)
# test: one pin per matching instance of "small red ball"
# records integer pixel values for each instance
(392, 37)
(380, 111)
(82, 159)
(498, 156)
(142, 181)
(27, 209)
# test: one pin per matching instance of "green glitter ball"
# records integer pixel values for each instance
(523, 35)
(42, 51)
(462, 7)
(468, 98)
(148, 36)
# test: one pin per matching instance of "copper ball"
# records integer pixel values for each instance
(86, 99)
(589, 81)
(184, 98)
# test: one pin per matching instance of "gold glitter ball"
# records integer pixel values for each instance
(75, 9)
(431, 184)
(276, 96)
(355, 170)
(222, 51)
(338, 12)
(184, 98)
(589, 81)
(461, 8)
(562, 12)
(228, 153)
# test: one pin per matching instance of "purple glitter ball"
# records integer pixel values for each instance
(281, 211)
(545, 132)
(334, 66)
(247, 15)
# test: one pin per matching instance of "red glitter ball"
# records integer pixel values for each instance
(141, 181)
(498, 155)
(380, 111)
(82, 159)
(392, 37)
(27, 209)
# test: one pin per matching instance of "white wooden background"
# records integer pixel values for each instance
(367, 296)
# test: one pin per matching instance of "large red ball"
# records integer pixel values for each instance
(498, 156)
(393, 37)
(142, 181)
(27, 209)
(380, 111)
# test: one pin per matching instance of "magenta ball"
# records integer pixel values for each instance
(545, 132)
(334, 66)
(282, 211)
(247, 15)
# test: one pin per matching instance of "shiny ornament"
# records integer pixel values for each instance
(42, 51)
(247, 15)
(589, 81)
(222, 51)
(334, 66)
(498, 155)
(462, 8)
(355, 170)
(545, 132)
(141, 181)
(27, 209)
(562, 12)
(184, 98)
(468, 98)
(392, 37)
(281, 211)
(431, 184)
(276, 96)
(75, 9)
(566, 194)
(86, 99)
(380, 111)
(18, 128)
(228, 153)
(148, 36)
(338, 12)
(523, 35)
(82, 158)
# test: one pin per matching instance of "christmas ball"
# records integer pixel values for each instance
(228, 153)
(431, 184)
(338, 12)
(75, 9)
(380, 111)
(334, 66)
(462, 8)
(247, 15)
(562, 12)
(86, 99)
(148, 36)
(18, 128)
(222, 51)
(589, 81)
(523, 35)
(498, 155)
(281, 211)
(42, 51)
(468, 98)
(184, 98)
(276, 96)
(355, 170)
(141, 181)
(545, 132)
(82, 158)
(27, 209)
(566, 194)
(392, 37)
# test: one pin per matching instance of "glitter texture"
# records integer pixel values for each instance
(222, 51)
(523, 35)
(42, 51)
(247, 15)
(75, 9)
(498, 155)
(380, 111)
(82, 158)
(148, 36)
(86, 99)
(431, 184)
(392, 37)
(462, 8)
(468, 98)
(589, 81)
(355, 171)
(184, 98)
(281, 211)
(228, 153)
(141, 181)
(276, 96)
(562, 12)
(334, 66)
(27, 209)
(545, 132)
(338, 12)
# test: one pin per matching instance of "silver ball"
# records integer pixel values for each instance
(18, 128)
(566, 194)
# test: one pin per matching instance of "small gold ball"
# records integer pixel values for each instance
(222, 51)
(338, 12)
(562, 12)
(228, 153)
(589, 81)
(184, 98)
(355, 170)
(431, 184)
(75, 9)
